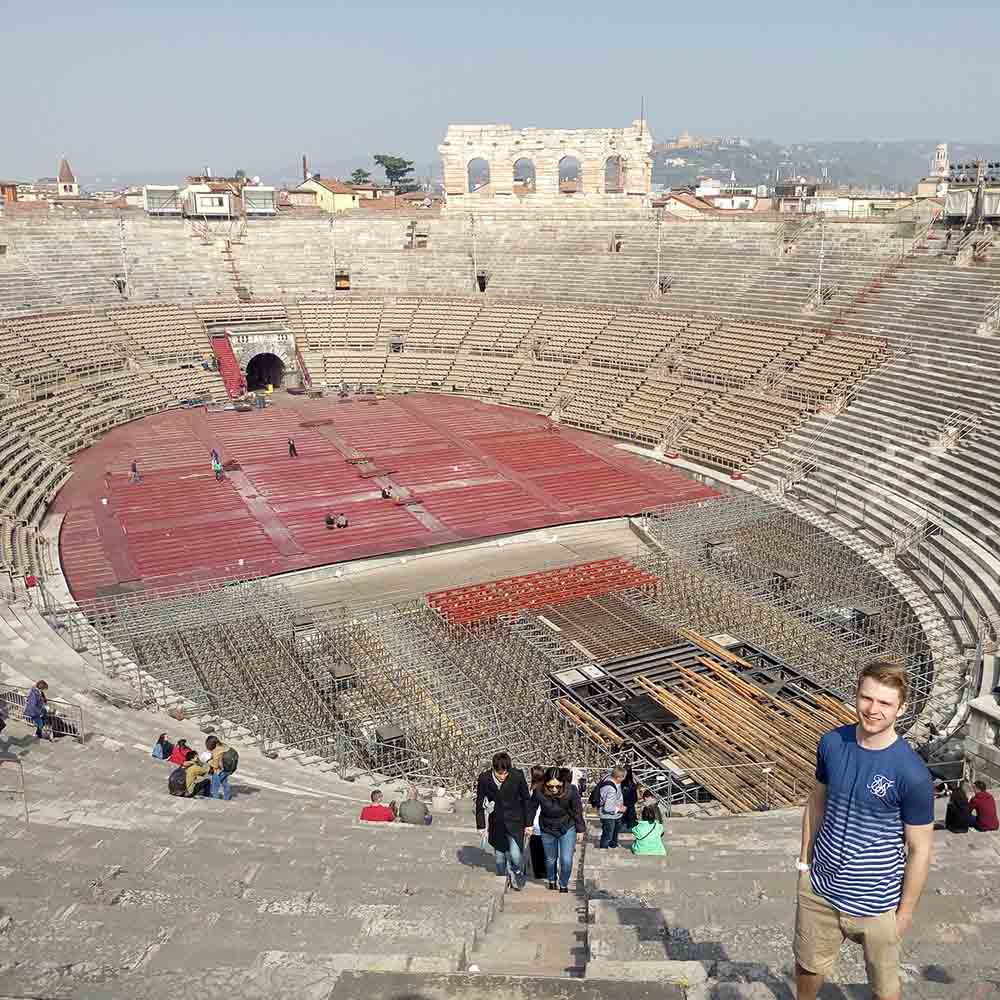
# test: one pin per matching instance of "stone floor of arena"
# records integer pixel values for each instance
(117, 890)
(464, 469)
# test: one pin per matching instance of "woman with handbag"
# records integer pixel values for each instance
(560, 817)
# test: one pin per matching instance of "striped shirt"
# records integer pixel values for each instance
(859, 854)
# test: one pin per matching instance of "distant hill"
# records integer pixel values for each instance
(889, 165)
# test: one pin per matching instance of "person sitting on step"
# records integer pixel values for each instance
(648, 833)
(341, 521)
(377, 812)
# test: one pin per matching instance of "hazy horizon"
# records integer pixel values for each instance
(135, 95)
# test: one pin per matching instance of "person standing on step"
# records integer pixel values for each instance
(217, 468)
(36, 709)
(611, 807)
(134, 474)
(510, 821)
(560, 816)
(293, 452)
(867, 835)
(219, 774)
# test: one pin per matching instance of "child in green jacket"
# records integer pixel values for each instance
(648, 833)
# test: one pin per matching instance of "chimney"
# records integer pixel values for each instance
(305, 168)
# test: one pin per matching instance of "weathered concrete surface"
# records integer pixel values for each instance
(396, 986)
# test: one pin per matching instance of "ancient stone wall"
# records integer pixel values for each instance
(629, 178)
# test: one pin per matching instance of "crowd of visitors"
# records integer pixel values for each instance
(548, 813)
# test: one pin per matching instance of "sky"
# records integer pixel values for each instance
(142, 92)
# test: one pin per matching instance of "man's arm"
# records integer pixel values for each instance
(919, 845)
(812, 820)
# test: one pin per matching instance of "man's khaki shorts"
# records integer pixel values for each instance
(820, 929)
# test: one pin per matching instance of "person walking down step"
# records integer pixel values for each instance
(560, 816)
(293, 452)
(217, 469)
(510, 821)
(36, 709)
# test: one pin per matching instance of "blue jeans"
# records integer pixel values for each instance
(513, 854)
(39, 723)
(561, 848)
(220, 781)
(609, 831)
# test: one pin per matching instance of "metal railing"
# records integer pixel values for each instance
(64, 718)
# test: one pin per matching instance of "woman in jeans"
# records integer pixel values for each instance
(560, 817)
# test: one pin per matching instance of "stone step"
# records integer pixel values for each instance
(488, 986)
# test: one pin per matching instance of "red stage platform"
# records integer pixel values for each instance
(463, 469)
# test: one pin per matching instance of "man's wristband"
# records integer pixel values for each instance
(802, 866)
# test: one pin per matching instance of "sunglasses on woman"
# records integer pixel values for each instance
(554, 785)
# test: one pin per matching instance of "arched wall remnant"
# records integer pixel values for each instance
(506, 152)
(524, 176)
(479, 174)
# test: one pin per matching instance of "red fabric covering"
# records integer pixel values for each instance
(178, 755)
(378, 814)
(984, 806)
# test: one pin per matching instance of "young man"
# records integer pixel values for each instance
(867, 831)
(376, 812)
(612, 807)
(511, 819)
(220, 777)
(983, 807)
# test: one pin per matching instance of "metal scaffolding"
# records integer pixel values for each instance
(744, 564)
(404, 692)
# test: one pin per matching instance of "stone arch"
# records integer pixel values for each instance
(265, 369)
(477, 175)
(524, 176)
(570, 173)
(615, 174)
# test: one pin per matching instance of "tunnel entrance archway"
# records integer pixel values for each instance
(264, 370)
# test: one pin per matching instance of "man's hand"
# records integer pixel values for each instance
(903, 921)
(529, 830)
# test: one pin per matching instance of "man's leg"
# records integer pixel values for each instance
(817, 940)
(226, 791)
(516, 859)
(879, 942)
(500, 858)
(615, 831)
(567, 845)
(607, 829)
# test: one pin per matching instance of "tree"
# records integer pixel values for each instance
(360, 176)
(240, 175)
(396, 169)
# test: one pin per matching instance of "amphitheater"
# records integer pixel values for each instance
(660, 488)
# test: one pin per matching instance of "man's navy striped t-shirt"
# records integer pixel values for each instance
(859, 853)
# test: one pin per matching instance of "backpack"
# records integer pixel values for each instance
(595, 794)
(230, 760)
(177, 782)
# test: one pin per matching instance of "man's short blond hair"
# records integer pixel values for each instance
(888, 673)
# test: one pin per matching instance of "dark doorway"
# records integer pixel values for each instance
(264, 370)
